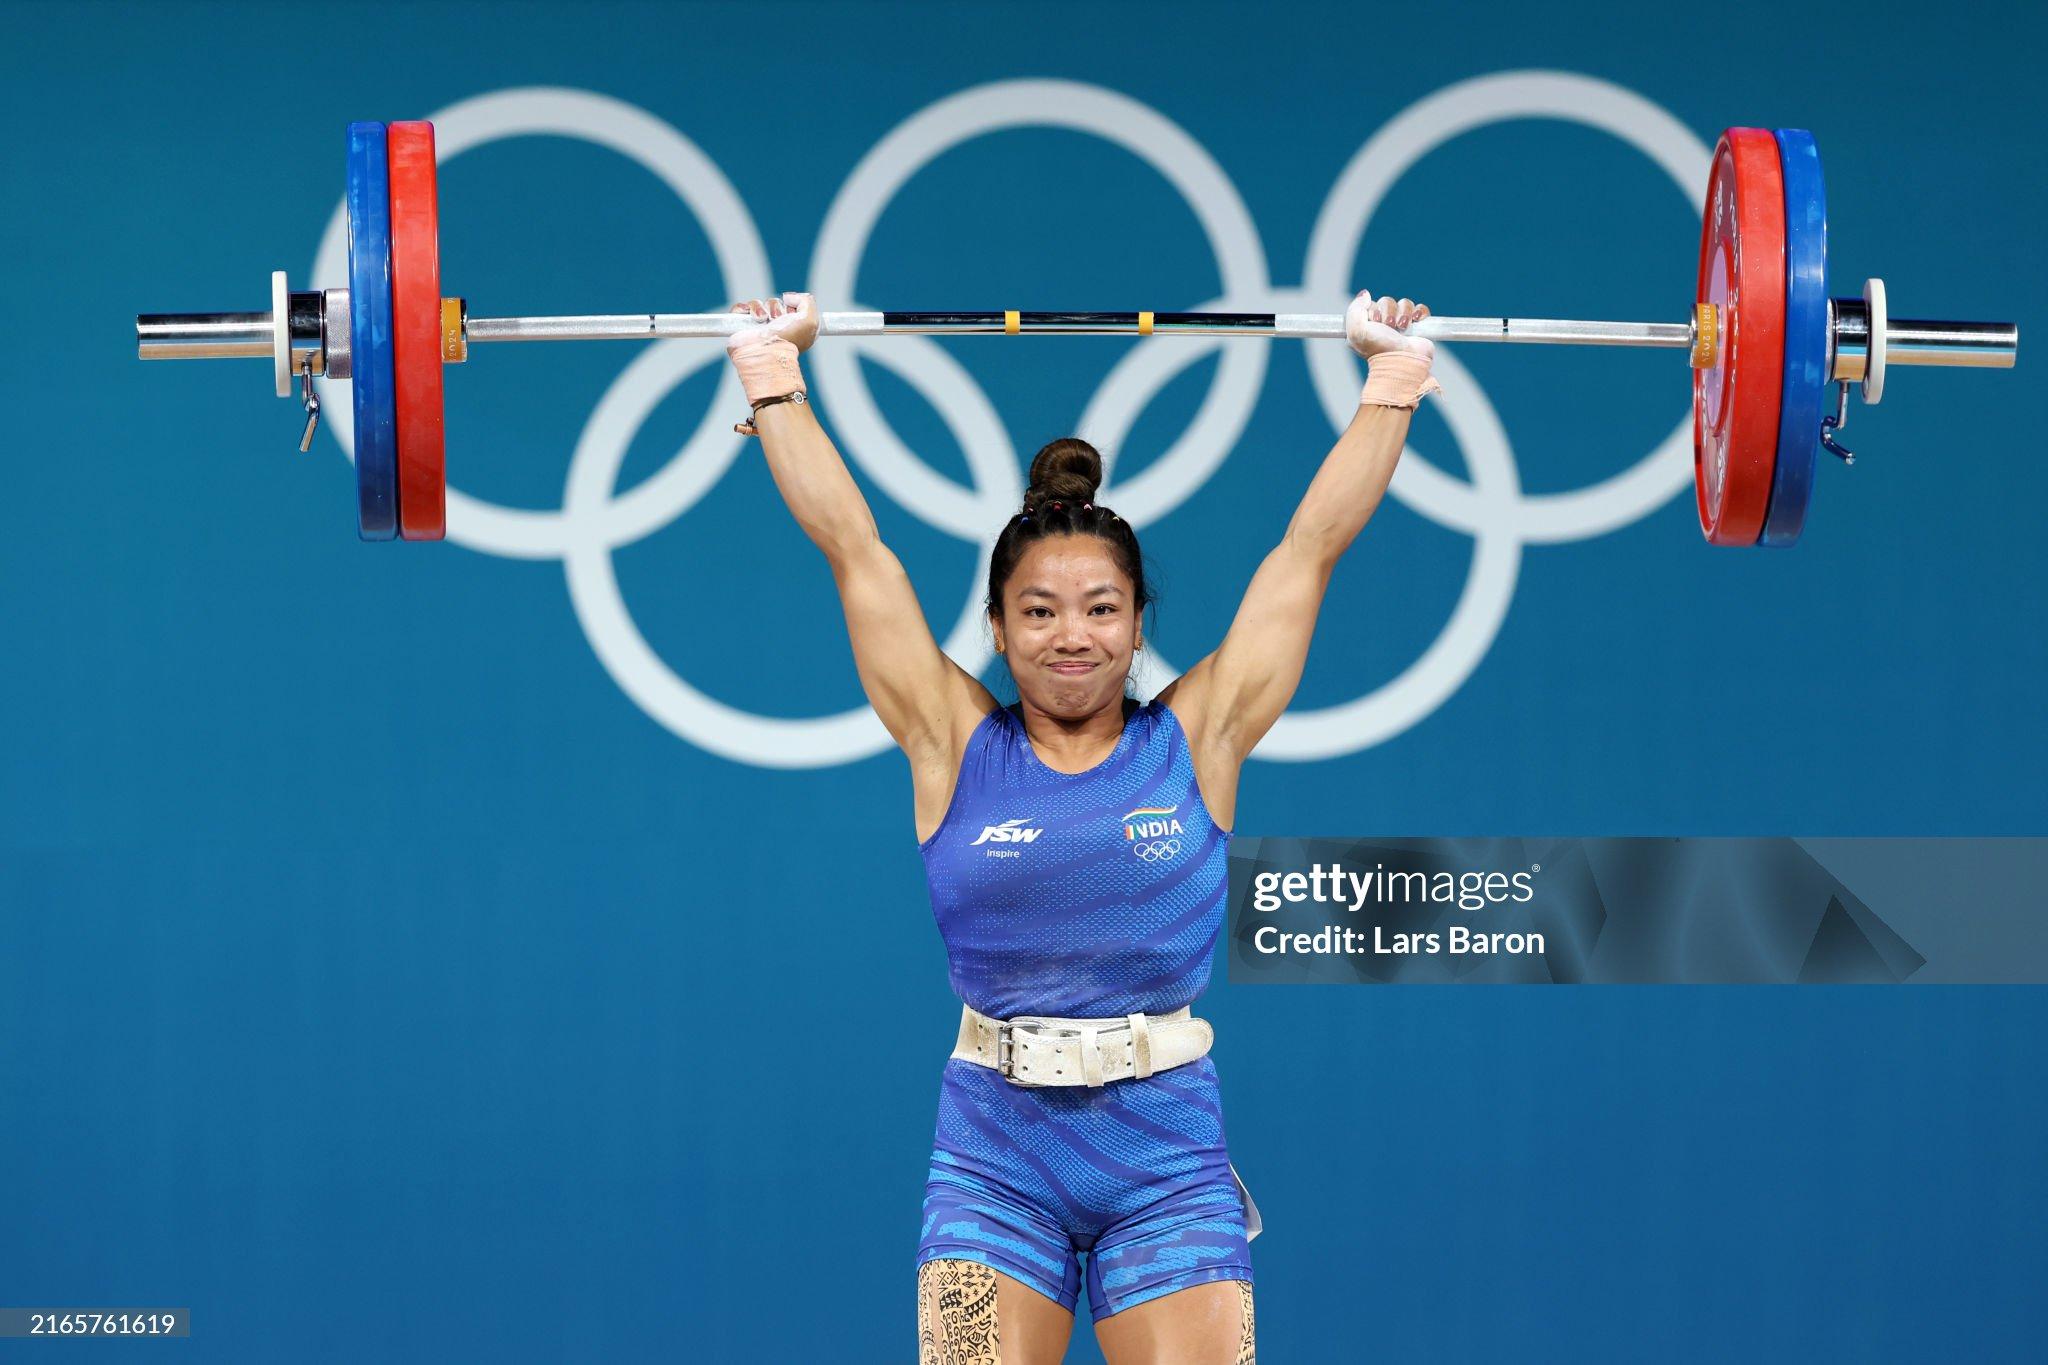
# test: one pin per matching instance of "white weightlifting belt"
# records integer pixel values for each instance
(1037, 1050)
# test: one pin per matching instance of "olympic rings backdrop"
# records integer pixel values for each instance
(359, 904)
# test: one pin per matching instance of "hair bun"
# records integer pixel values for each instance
(1067, 470)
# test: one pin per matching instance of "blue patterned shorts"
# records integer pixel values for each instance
(1133, 1174)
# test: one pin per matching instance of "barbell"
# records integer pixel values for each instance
(1765, 339)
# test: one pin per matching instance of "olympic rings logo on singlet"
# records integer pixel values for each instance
(1156, 850)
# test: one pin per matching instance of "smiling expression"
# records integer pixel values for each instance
(1067, 626)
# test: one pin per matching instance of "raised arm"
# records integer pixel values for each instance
(1231, 698)
(922, 697)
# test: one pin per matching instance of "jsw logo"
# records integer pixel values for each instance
(1008, 832)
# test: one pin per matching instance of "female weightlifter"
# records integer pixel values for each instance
(1074, 844)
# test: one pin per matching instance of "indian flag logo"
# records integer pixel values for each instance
(1149, 822)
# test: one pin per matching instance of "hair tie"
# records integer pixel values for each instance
(1087, 507)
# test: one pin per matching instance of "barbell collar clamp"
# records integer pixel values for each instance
(1833, 423)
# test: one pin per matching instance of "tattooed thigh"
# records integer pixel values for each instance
(956, 1314)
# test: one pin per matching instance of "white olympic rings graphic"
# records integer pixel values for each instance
(1491, 508)
(1159, 849)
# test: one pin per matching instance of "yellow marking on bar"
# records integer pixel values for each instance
(454, 342)
(1011, 323)
(1144, 324)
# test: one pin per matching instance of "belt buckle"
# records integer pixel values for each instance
(1003, 1063)
(1034, 1026)
(1006, 1048)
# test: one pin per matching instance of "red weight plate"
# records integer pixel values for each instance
(416, 333)
(1735, 400)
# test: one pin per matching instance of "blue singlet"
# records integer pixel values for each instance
(1082, 896)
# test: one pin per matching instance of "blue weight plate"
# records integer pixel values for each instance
(1806, 337)
(369, 300)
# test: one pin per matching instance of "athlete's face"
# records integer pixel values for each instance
(1068, 627)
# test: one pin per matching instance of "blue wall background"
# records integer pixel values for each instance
(353, 915)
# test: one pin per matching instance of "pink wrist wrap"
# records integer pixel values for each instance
(1397, 379)
(767, 368)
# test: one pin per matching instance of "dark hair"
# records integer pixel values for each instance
(1061, 502)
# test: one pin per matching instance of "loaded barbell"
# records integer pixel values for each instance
(1765, 339)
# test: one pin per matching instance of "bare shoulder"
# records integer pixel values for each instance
(974, 707)
(935, 765)
(1194, 698)
(1217, 763)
